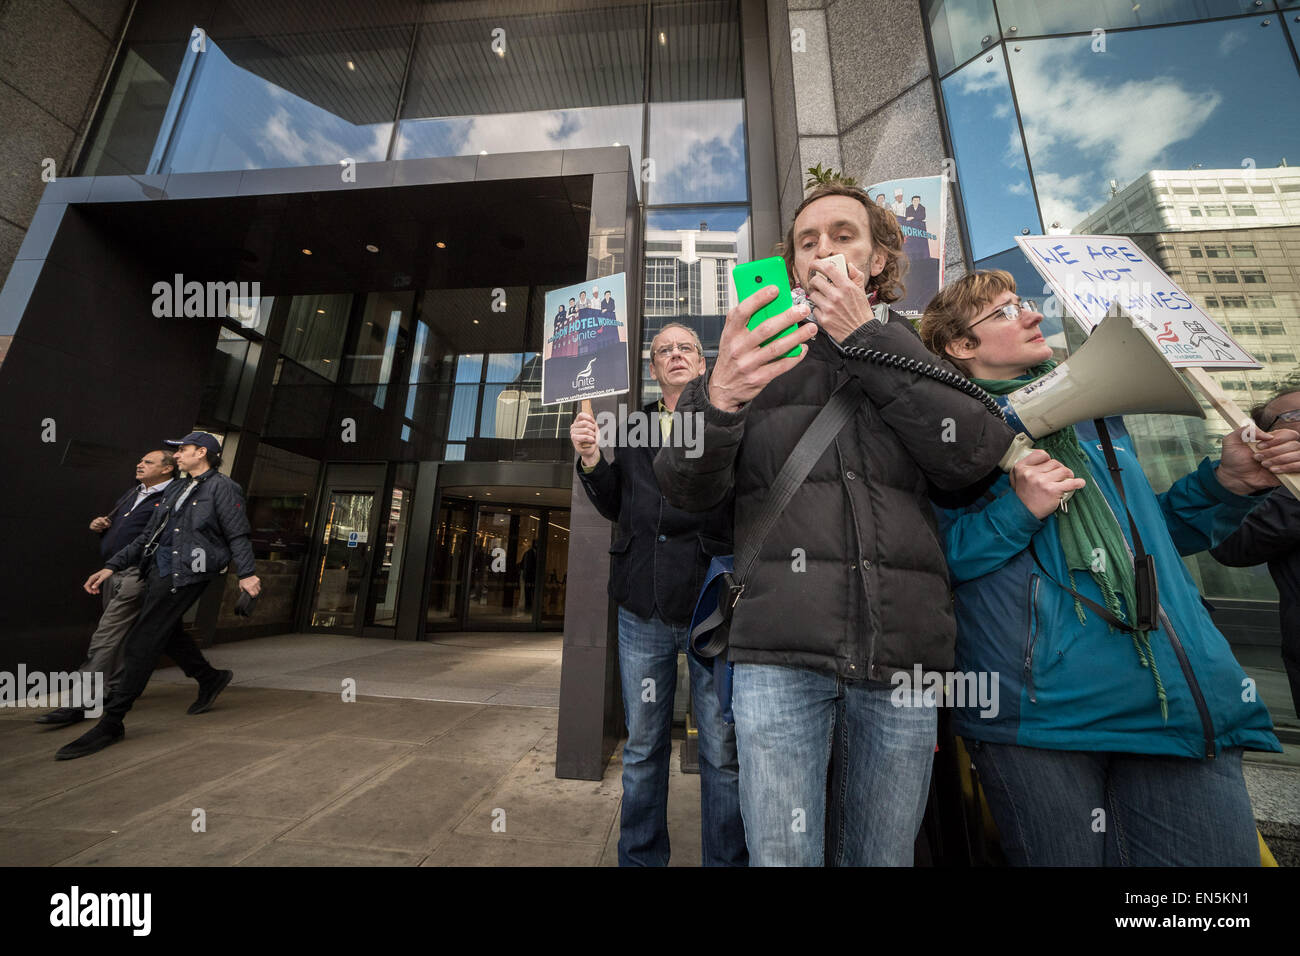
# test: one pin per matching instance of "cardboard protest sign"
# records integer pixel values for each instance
(1094, 275)
(584, 342)
(918, 204)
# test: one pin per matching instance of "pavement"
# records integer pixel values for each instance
(329, 751)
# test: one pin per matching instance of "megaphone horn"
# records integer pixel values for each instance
(1117, 371)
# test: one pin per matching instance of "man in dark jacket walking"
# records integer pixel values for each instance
(657, 566)
(154, 473)
(850, 586)
(200, 528)
(1271, 534)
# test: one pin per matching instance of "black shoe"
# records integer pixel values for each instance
(62, 717)
(95, 739)
(208, 692)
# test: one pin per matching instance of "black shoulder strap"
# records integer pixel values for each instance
(1139, 553)
(1147, 613)
(828, 423)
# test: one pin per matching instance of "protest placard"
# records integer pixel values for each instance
(1093, 275)
(918, 205)
(584, 342)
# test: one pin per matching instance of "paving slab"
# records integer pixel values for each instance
(287, 853)
(537, 806)
(45, 847)
(168, 838)
(406, 721)
(410, 806)
(303, 780)
(110, 801)
(494, 733)
(502, 850)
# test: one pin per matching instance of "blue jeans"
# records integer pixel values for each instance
(1080, 808)
(647, 661)
(789, 723)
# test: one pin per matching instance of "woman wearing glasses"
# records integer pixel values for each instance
(1111, 745)
(1271, 534)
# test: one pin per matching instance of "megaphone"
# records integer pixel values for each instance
(1117, 371)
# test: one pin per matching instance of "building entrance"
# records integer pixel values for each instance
(498, 565)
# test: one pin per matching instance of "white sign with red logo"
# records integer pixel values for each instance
(1094, 275)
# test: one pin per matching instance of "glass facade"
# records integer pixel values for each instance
(388, 372)
(1170, 122)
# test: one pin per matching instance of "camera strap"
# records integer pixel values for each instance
(1146, 614)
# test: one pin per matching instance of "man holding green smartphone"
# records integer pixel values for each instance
(850, 586)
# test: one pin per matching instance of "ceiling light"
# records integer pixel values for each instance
(476, 321)
(617, 143)
(306, 252)
(351, 65)
(371, 247)
(482, 152)
(320, 311)
(441, 245)
(663, 39)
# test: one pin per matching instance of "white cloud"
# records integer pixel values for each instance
(982, 75)
(1018, 189)
(1118, 128)
(1231, 41)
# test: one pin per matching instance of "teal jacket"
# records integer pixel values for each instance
(1064, 685)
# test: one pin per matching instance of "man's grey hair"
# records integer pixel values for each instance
(677, 325)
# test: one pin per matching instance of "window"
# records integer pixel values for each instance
(1234, 301)
(1266, 188)
(1262, 302)
(1174, 272)
(723, 287)
(1211, 302)
(1216, 250)
(1233, 386)
(1212, 188)
(1271, 328)
(1202, 277)
(1194, 211)
(1243, 210)
(1183, 190)
(1196, 253)
(1235, 190)
(660, 287)
(1290, 187)
(1241, 328)
(1287, 357)
(1225, 277)
(1243, 251)
(1213, 209)
(1252, 276)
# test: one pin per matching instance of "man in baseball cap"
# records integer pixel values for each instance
(200, 528)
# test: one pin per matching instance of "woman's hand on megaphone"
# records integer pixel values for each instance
(1040, 481)
(1244, 469)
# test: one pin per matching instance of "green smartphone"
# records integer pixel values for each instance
(752, 276)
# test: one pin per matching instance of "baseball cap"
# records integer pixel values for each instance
(202, 439)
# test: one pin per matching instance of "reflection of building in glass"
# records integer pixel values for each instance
(1227, 236)
(688, 280)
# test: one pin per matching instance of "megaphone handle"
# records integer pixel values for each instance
(1021, 446)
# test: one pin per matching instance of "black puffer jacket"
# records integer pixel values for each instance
(851, 579)
(211, 531)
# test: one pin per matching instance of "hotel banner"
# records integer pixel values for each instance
(584, 348)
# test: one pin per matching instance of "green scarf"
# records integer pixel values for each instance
(1090, 535)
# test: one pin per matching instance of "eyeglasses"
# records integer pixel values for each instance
(686, 348)
(1291, 416)
(1011, 311)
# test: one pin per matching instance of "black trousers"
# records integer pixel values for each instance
(157, 629)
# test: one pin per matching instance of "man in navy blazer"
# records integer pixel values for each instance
(126, 519)
(657, 566)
